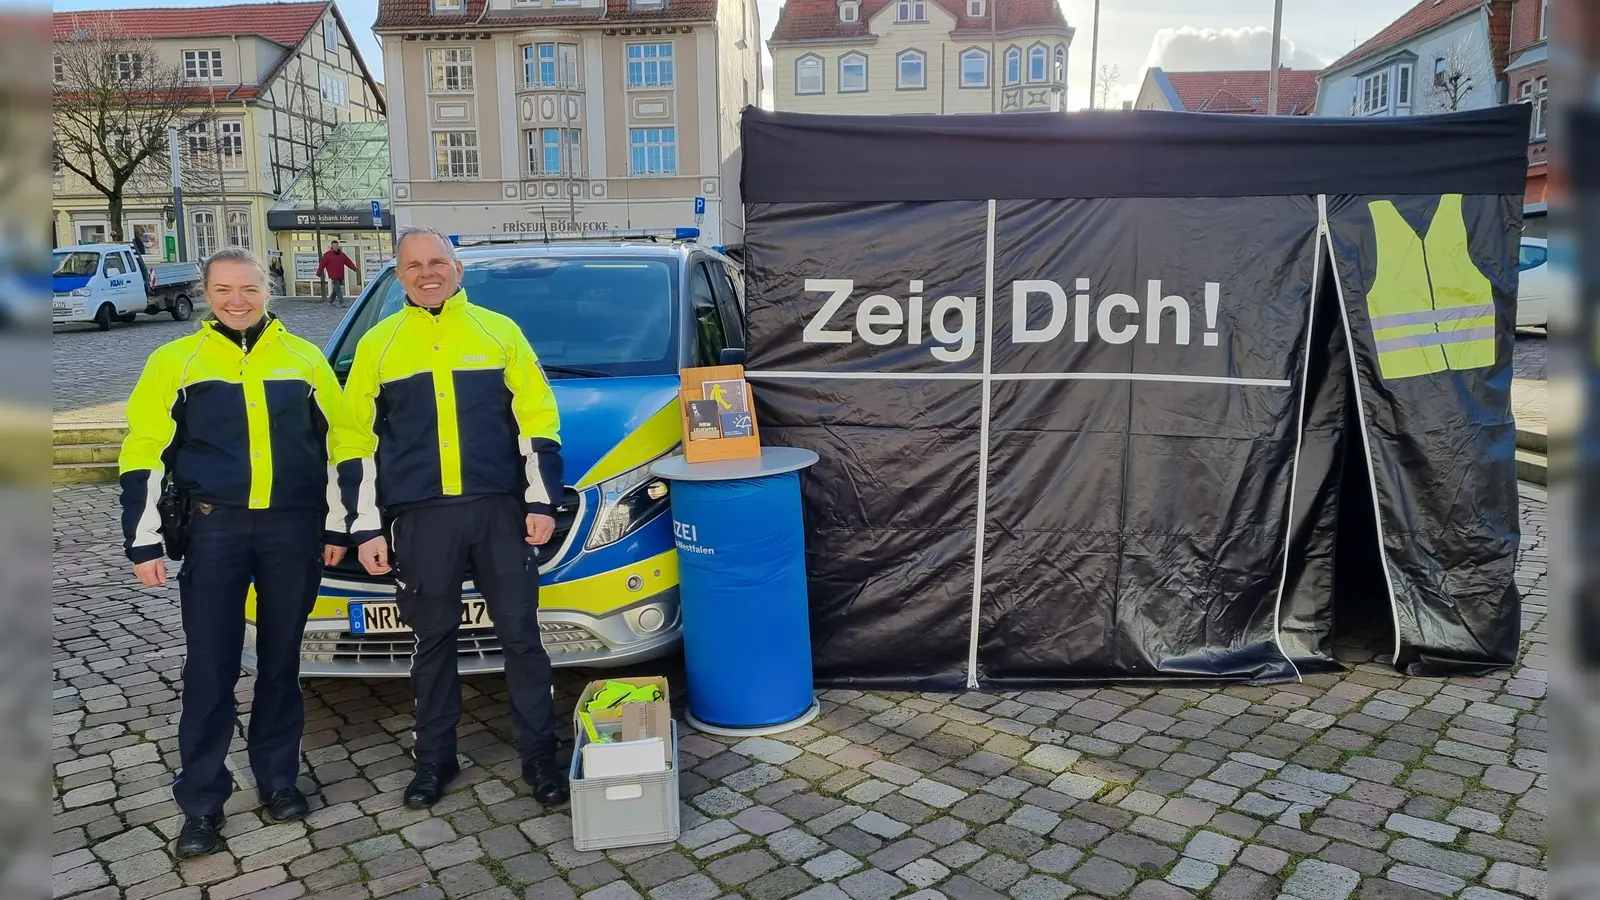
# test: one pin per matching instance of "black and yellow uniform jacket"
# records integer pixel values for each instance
(448, 403)
(252, 420)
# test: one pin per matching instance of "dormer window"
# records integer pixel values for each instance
(975, 9)
(808, 76)
(849, 11)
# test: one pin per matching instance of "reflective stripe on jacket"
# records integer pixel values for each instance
(1431, 308)
(447, 404)
(256, 430)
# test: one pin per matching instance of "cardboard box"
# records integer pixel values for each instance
(613, 717)
(641, 721)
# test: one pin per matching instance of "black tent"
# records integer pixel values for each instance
(1085, 397)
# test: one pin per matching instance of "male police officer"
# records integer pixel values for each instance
(460, 450)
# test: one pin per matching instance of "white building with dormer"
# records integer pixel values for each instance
(892, 57)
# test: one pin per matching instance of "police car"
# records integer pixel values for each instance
(613, 321)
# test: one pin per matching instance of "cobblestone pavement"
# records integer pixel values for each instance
(1529, 357)
(1362, 784)
(91, 367)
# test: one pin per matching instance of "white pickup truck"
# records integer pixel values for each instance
(103, 282)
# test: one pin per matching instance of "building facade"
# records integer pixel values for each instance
(1528, 78)
(274, 79)
(569, 116)
(892, 57)
(1439, 56)
(1232, 92)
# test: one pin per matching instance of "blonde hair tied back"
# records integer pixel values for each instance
(231, 254)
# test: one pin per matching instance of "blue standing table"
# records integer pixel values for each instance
(742, 585)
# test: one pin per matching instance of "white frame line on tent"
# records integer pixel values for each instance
(795, 375)
(983, 444)
(1299, 441)
(1361, 415)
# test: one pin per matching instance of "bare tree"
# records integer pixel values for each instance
(1109, 75)
(114, 102)
(1458, 72)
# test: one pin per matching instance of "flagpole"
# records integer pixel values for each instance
(1272, 74)
(1094, 53)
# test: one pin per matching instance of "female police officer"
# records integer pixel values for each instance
(246, 421)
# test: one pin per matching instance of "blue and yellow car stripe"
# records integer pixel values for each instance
(656, 436)
(605, 590)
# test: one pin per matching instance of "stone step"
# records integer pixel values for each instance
(1533, 437)
(86, 453)
(74, 434)
(83, 473)
(1533, 467)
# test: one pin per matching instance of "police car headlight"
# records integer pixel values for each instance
(627, 502)
(81, 292)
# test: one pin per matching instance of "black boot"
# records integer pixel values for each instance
(548, 780)
(200, 835)
(286, 804)
(429, 783)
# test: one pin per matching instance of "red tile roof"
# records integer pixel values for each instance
(1243, 91)
(1424, 16)
(282, 23)
(807, 20)
(407, 14)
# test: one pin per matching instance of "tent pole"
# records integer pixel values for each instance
(1272, 74)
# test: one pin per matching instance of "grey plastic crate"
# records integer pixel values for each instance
(626, 810)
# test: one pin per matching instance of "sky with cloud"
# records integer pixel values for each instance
(1134, 34)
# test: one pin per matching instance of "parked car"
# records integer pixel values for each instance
(613, 322)
(100, 283)
(1533, 285)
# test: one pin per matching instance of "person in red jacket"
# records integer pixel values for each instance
(334, 264)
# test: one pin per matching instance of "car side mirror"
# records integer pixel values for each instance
(731, 356)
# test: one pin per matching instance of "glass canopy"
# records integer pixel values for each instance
(350, 170)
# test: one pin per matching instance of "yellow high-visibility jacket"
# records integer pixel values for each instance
(1430, 306)
(253, 426)
(448, 403)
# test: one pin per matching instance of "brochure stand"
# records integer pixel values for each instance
(740, 538)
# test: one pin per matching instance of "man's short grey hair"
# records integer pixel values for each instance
(419, 229)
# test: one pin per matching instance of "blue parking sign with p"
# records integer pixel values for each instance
(699, 206)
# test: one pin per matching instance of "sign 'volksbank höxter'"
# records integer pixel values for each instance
(1099, 397)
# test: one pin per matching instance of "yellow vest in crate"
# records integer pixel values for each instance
(1431, 309)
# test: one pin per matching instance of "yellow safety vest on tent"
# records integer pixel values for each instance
(1431, 308)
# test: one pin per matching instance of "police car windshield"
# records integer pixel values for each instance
(610, 316)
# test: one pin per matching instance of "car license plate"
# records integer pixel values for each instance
(384, 618)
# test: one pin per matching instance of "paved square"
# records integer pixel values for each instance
(1363, 784)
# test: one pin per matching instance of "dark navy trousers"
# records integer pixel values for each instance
(281, 551)
(432, 546)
